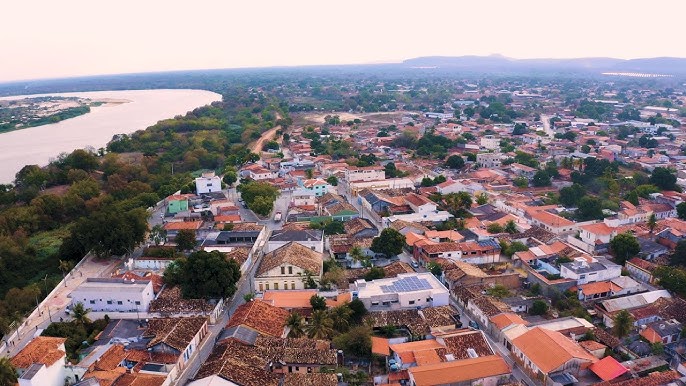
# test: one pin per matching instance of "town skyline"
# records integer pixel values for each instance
(171, 36)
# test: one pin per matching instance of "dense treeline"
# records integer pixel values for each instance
(96, 201)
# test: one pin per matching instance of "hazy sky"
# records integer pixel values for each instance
(48, 38)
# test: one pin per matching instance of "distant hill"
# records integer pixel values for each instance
(665, 65)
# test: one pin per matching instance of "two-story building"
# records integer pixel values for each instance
(288, 267)
(369, 173)
(310, 238)
(208, 183)
(489, 160)
(42, 362)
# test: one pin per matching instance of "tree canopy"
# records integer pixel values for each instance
(390, 242)
(204, 275)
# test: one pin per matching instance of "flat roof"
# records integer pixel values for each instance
(403, 283)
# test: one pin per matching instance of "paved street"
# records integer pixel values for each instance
(53, 309)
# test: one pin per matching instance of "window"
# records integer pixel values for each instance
(292, 285)
(267, 286)
(283, 270)
(411, 301)
(138, 303)
(120, 302)
(109, 302)
(261, 287)
(375, 303)
(290, 270)
(92, 301)
(276, 286)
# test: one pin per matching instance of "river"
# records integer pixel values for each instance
(143, 108)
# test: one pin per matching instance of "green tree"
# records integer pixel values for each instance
(482, 199)
(663, 178)
(375, 273)
(332, 180)
(356, 254)
(454, 162)
(390, 242)
(204, 275)
(623, 247)
(341, 316)
(320, 326)
(185, 240)
(262, 205)
(111, 232)
(498, 291)
(539, 307)
(230, 177)
(681, 210)
(296, 325)
(356, 342)
(570, 195)
(79, 313)
(359, 310)
(511, 227)
(457, 203)
(434, 268)
(652, 223)
(521, 182)
(589, 208)
(157, 234)
(334, 227)
(541, 178)
(678, 257)
(249, 297)
(318, 303)
(8, 374)
(64, 267)
(623, 323)
(494, 227)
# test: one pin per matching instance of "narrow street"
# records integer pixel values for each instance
(244, 287)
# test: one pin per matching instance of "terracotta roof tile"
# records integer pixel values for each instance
(549, 350)
(459, 371)
(174, 332)
(294, 254)
(42, 349)
(261, 317)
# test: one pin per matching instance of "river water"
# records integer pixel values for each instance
(40, 144)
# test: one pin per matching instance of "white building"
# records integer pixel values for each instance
(208, 183)
(407, 290)
(583, 272)
(41, 362)
(301, 197)
(370, 173)
(113, 295)
(490, 142)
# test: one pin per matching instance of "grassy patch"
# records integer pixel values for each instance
(47, 244)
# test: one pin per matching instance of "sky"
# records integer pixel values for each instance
(50, 39)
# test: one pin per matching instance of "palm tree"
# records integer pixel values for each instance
(80, 313)
(341, 317)
(623, 322)
(357, 255)
(321, 326)
(652, 223)
(65, 266)
(296, 325)
(8, 374)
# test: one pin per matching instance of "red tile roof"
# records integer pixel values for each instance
(43, 349)
(608, 368)
(261, 317)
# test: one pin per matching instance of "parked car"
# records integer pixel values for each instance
(415, 264)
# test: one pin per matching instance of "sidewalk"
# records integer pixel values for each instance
(53, 308)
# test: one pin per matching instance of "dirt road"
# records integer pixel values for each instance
(256, 147)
